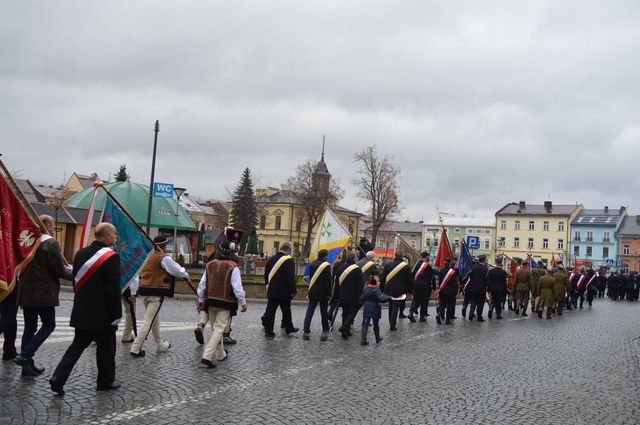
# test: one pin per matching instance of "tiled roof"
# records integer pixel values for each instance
(630, 226)
(28, 191)
(513, 208)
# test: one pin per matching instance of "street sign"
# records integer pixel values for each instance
(609, 262)
(619, 264)
(473, 242)
(163, 190)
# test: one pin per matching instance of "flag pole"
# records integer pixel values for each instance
(16, 190)
(115, 201)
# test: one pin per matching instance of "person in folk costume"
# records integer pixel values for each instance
(372, 298)
(318, 294)
(448, 279)
(522, 287)
(96, 310)
(497, 287)
(591, 287)
(423, 280)
(561, 282)
(547, 298)
(157, 279)
(220, 292)
(235, 236)
(478, 287)
(280, 278)
(347, 289)
(397, 282)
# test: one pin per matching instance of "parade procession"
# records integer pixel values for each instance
(120, 265)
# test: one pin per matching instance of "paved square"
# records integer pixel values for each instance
(581, 368)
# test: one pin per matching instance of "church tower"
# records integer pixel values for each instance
(321, 177)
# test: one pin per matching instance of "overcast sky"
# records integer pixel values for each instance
(479, 102)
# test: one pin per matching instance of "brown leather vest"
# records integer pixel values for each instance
(219, 281)
(153, 276)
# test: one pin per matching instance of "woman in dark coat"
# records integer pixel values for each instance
(371, 311)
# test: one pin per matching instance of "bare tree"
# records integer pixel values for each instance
(312, 199)
(378, 183)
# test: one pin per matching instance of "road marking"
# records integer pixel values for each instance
(208, 395)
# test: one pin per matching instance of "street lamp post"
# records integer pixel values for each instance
(178, 191)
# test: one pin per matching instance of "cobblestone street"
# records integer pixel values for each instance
(581, 368)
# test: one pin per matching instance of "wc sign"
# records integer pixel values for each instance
(163, 190)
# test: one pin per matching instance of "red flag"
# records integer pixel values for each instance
(19, 234)
(554, 263)
(444, 251)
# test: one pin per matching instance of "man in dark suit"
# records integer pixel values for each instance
(397, 283)
(96, 309)
(280, 278)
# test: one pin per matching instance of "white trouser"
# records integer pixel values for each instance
(152, 304)
(219, 319)
(127, 327)
(203, 319)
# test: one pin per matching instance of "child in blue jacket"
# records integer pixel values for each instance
(372, 298)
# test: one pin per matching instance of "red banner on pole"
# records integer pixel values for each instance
(19, 235)
(444, 251)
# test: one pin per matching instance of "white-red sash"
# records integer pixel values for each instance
(89, 268)
(581, 281)
(446, 280)
(591, 280)
(420, 271)
(571, 276)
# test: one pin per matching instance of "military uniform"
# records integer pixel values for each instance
(560, 283)
(523, 288)
(497, 287)
(547, 299)
(536, 274)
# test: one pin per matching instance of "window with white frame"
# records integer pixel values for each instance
(576, 251)
(545, 225)
(532, 225)
(530, 243)
(625, 250)
(589, 251)
(545, 243)
(517, 225)
(605, 252)
(560, 243)
(487, 244)
(561, 226)
(503, 224)
(516, 242)
(502, 242)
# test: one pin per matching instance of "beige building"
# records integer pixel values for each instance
(540, 230)
(78, 182)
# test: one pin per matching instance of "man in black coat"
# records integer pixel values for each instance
(38, 289)
(478, 287)
(280, 278)
(448, 280)
(397, 283)
(96, 309)
(348, 287)
(497, 287)
(423, 281)
(319, 294)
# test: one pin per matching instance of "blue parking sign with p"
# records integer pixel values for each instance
(163, 190)
(473, 242)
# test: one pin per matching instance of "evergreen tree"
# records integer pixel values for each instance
(244, 208)
(122, 175)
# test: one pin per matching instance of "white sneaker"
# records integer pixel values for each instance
(163, 346)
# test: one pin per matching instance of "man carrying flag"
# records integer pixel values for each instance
(20, 233)
(96, 310)
(319, 294)
(446, 294)
(423, 281)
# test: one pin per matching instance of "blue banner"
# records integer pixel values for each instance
(465, 263)
(132, 245)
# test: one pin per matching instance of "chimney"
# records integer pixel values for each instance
(547, 206)
(606, 209)
(622, 210)
(522, 205)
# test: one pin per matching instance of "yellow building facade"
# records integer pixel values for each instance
(539, 230)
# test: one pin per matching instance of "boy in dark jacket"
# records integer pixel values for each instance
(372, 298)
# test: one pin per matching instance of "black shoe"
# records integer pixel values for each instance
(480, 319)
(471, 316)
(269, 335)
(198, 333)
(427, 315)
(438, 319)
(305, 336)
(140, 353)
(423, 319)
(490, 314)
(264, 325)
(464, 312)
(540, 314)
(345, 334)
(402, 316)
(324, 338)
(412, 319)
(291, 331)
(499, 317)
(517, 312)
(36, 369)
(448, 322)
(393, 328)
(19, 360)
(209, 363)
(524, 313)
(112, 386)
(227, 340)
(56, 387)
(27, 370)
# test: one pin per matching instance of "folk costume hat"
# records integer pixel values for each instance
(233, 234)
(227, 247)
(161, 240)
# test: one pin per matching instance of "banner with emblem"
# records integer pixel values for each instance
(330, 235)
(20, 231)
(133, 245)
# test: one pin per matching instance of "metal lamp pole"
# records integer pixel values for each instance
(153, 171)
(178, 191)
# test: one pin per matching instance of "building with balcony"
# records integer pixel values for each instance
(593, 236)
